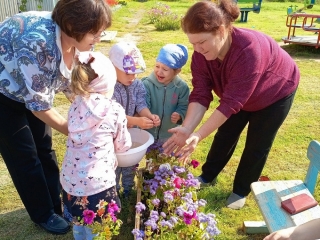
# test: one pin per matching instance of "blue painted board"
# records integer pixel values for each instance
(269, 195)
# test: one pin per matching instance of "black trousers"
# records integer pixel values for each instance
(26, 147)
(263, 126)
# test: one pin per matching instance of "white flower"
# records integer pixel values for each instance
(165, 167)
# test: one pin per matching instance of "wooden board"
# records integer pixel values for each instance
(254, 227)
(269, 195)
(137, 215)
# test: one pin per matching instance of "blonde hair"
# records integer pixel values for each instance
(81, 76)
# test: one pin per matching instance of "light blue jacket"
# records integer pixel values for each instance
(164, 100)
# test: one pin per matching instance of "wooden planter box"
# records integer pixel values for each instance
(138, 220)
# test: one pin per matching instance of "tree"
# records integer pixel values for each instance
(23, 5)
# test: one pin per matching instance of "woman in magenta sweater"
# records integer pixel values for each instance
(254, 78)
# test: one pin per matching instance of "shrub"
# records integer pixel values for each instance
(163, 18)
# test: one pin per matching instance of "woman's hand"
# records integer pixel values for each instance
(177, 140)
(284, 234)
(187, 150)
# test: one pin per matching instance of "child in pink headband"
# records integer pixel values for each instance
(97, 129)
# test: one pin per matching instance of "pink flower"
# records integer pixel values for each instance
(178, 182)
(88, 216)
(194, 163)
(113, 217)
(113, 207)
(187, 217)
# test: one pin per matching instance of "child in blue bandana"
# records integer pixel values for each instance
(167, 94)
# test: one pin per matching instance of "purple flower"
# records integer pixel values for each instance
(138, 233)
(88, 216)
(179, 169)
(212, 230)
(154, 215)
(193, 182)
(202, 202)
(140, 207)
(165, 223)
(174, 220)
(179, 211)
(151, 223)
(155, 202)
(167, 196)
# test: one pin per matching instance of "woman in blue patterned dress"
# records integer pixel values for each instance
(36, 57)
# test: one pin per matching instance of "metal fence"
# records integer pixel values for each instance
(11, 7)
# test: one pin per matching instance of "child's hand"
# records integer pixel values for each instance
(175, 117)
(156, 120)
(145, 123)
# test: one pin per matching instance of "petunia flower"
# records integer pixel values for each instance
(194, 163)
(113, 207)
(178, 182)
(88, 216)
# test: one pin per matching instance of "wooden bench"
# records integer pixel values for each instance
(269, 194)
(244, 10)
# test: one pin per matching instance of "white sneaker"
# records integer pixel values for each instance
(236, 202)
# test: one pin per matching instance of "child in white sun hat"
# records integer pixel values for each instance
(97, 129)
(131, 94)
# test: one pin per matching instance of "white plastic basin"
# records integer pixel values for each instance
(141, 140)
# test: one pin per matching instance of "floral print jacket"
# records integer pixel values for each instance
(32, 70)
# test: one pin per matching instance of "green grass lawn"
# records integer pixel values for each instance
(287, 159)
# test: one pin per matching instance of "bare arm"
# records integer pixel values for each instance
(53, 119)
(145, 113)
(194, 116)
(213, 123)
(307, 231)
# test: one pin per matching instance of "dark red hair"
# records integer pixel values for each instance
(206, 16)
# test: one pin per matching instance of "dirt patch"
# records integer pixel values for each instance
(132, 23)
